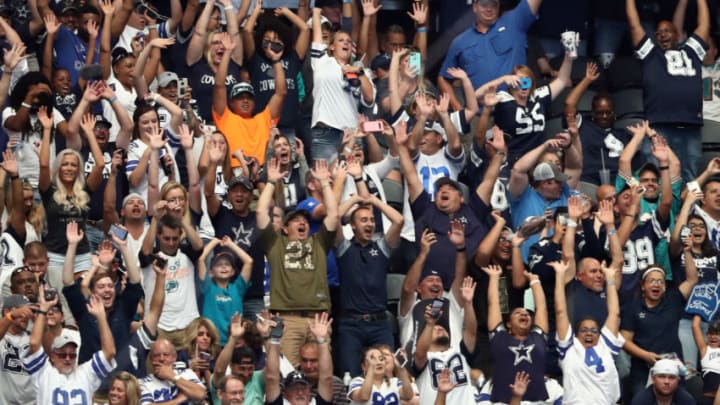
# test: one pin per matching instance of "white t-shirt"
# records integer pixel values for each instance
(387, 393)
(126, 98)
(15, 387)
(408, 330)
(154, 390)
(464, 391)
(711, 361)
(334, 105)
(589, 375)
(76, 388)
(711, 90)
(180, 304)
(27, 157)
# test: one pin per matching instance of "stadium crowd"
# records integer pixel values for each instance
(359, 202)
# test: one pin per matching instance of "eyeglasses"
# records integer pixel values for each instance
(699, 226)
(66, 355)
(656, 281)
(594, 331)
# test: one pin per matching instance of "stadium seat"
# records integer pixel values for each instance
(625, 72)
(553, 126)
(710, 142)
(628, 103)
(393, 193)
(394, 291)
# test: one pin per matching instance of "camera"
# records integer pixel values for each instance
(50, 293)
(159, 261)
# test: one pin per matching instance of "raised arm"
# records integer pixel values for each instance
(519, 177)
(612, 322)
(237, 331)
(248, 33)
(47, 124)
(573, 154)
(572, 99)
(194, 192)
(456, 235)
(562, 321)
(52, 26)
(698, 335)
(487, 246)
(638, 132)
(606, 217)
(276, 101)
(109, 10)
(40, 321)
(703, 21)
(494, 317)
(322, 175)
(412, 278)
(467, 292)
(681, 219)
(273, 389)
(244, 257)
(661, 151)
(563, 80)
(16, 219)
(147, 63)
(124, 136)
(518, 264)
(415, 187)
(74, 235)
(454, 145)
(392, 234)
(497, 150)
(274, 175)
(216, 152)
(419, 16)
(319, 327)
(691, 273)
(541, 315)
(110, 213)
(152, 316)
(368, 35)
(107, 342)
(637, 32)
(95, 178)
(233, 30)
(197, 42)
(219, 102)
(425, 339)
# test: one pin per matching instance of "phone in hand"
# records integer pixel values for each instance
(159, 261)
(372, 126)
(400, 357)
(50, 293)
(205, 356)
(437, 305)
(693, 187)
(276, 331)
(415, 61)
(525, 83)
(684, 232)
(119, 232)
(182, 86)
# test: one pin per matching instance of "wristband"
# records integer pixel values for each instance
(610, 282)
(532, 283)
(322, 341)
(155, 97)
(462, 249)
(273, 182)
(152, 27)
(347, 1)
(422, 30)
(571, 224)
(612, 232)
(26, 105)
(15, 177)
(358, 179)
(228, 7)
(9, 317)
(40, 311)
(276, 61)
(113, 99)
(347, 150)
(664, 168)
(274, 341)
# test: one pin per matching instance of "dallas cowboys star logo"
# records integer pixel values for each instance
(241, 235)
(374, 252)
(522, 352)
(463, 219)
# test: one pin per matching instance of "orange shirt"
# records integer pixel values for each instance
(249, 134)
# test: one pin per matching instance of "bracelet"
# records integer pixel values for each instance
(15, 177)
(358, 179)
(26, 105)
(462, 249)
(229, 7)
(664, 168)
(610, 282)
(152, 27)
(113, 99)
(571, 224)
(273, 182)
(9, 317)
(322, 341)
(40, 311)
(532, 283)
(422, 30)
(612, 232)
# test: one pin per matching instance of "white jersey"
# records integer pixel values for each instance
(387, 393)
(78, 387)
(589, 375)
(431, 168)
(711, 91)
(408, 328)
(135, 153)
(180, 304)
(27, 151)
(15, 387)
(125, 97)
(463, 393)
(711, 361)
(154, 390)
(713, 226)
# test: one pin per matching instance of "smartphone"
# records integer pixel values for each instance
(50, 293)
(159, 261)
(684, 232)
(91, 72)
(400, 357)
(205, 356)
(437, 305)
(642, 189)
(525, 83)
(276, 47)
(119, 232)
(693, 186)
(372, 126)
(276, 331)
(415, 61)
(182, 86)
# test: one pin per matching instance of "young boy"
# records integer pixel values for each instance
(222, 297)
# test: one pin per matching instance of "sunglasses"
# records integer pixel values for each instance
(66, 355)
(594, 331)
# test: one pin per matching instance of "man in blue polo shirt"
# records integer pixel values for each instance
(498, 41)
(363, 263)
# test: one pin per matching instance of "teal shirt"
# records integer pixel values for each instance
(220, 304)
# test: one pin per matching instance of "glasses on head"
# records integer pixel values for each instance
(66, 355)
(504, 240)
(698, 226)
(594, 331)
(23, 268)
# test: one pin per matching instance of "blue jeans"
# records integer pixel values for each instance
(609, 35)
(686, 142)
(690, 351)
(325, 143)
(354, 336)
(94, 236)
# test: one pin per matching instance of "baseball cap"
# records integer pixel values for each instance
(165, 78)
(323, 21)
(100, 119)
(131, 196)
(295, 377)
(15, 301)
(381, 61)
(649, 166)
(67, 336)
(434, 126)
(119, 54)
(447, 180)
(665, 367)
(240, 180)
(294, 213)
(494, 3)
(547, 171)
(328, 3)
(240, 88)
(224, 253)
(714, 326)
(69, 7)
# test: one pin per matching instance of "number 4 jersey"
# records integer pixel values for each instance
(589, 374)
(464, 391)
(672, 81)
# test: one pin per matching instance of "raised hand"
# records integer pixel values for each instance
(186, 136)
(106, 252)
(95, 307)
(419, 13)
(161, 208)
(107, 7)
(401, 135)
(575, 207)
(660, 149)
(237, 328)
(467, 290)
(490, 98)
(608, 271)
(498, 140)
(606, 214)
(519, 387)
(591, 71)
(354, 167)
(492, 270)
(299, 148)
(273, 170)
(369, 8)
(14, 55)
(428, 239)
(321, 172)
(532, 276)
(46, 120)
(45, 305)
(217, 151)
(263, 323)
(457, 73)
(424, 108)
(258, 7)
(52, 25)
(637, 129)
(87, 122)
(456, 234)
(121, 244)
(162, 43)
(73, 233)
(444, 382)
(282, 11)
(320, 326)
(92, 28)
(443, 104)
(156, 138)
(559, 266)
(9, 163)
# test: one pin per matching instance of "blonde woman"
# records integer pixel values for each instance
(375, 386)
(124, 390)
(200, 348)
(64, 193)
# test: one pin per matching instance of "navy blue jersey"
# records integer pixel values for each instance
(672, 81)
(263, 80)
(583, 302)
(245, 233)
(608, 143)
(518, 355)
(543, 252)
(293, 189)
(524, 125)
(202, 81)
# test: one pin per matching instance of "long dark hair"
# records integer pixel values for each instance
(268, 22)
(23, 86)
(141, 109)
(706, 247)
